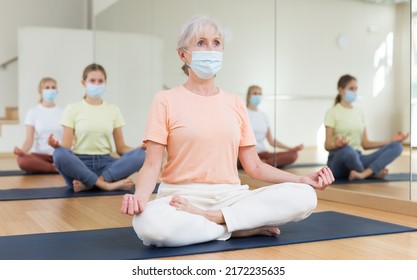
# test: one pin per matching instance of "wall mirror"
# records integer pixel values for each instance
(295, 50)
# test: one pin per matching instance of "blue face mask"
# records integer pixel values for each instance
(255, 100)
(206, 64)
(95, 91)
(350, 96)
(49, 95)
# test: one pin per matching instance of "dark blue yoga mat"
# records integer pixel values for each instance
(22, 173)
(122, 243)
(56, 192)
(389, 178)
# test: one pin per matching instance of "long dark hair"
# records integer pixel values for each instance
(342, 83)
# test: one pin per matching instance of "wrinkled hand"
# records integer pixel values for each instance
(399, 137)
(131, 205)
(52, 141)
(340, 142)
(18, 151)
(319, 180)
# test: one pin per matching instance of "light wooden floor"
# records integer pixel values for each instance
(56, 215)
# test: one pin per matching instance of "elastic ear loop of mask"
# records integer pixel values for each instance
(185, 50)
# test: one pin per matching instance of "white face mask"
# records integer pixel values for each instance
(206, 64)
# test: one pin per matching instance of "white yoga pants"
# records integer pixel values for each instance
(163, 225)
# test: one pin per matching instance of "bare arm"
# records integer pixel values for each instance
(275, 143)
(67, 139)
(368, 144)
(257, 169)
(119, 141)
(146, 179)
(27, 144)
(330, 144)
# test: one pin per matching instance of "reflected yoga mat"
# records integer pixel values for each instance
(22, 173)
(389, 178)
(122, 243)
(56, 192)
(301, 165)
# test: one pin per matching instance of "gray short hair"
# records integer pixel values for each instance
(195, 26)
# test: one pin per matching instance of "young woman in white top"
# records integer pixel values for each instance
(260, 124)
(35, 155)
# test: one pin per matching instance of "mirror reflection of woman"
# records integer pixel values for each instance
(204, 130)
(84, 156)
(35, 155)
(261, 128)
(346, 137)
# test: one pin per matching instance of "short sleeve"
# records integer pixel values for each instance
(118, 120)
(157, 124)
(67, 118)
(30, 118)
(329, 118)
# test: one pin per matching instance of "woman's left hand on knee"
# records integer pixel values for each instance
(319, 180)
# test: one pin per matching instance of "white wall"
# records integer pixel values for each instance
(15, 14)
(130, 85)
(47, 52)
(51, 52)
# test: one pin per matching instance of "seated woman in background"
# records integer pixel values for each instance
(346, 136)
(260, 124)
(89, 128)
(35, 155)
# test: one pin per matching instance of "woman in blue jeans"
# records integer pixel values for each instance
(346, 137)
(84, 156)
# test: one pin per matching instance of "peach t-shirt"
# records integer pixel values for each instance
(202, 134)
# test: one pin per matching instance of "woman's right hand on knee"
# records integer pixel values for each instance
(131, 205)
(340, 142)
(52, 141)
(18, 151)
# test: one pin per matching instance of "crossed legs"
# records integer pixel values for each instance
(178, 220)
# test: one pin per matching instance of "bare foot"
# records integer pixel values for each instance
(355, 175)
(264, 230)
(79, 186)
(182, 204)
(381, 174)
(124, 184)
